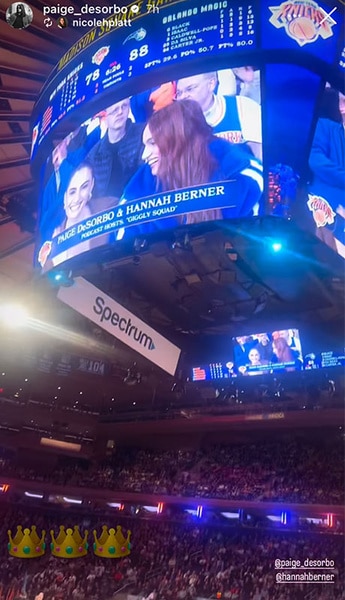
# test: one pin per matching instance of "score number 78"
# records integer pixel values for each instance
(92, 76)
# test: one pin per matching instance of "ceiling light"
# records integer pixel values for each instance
(72, 500)
(61, 278)
(31, 495)
(13, 315)
(276, 246)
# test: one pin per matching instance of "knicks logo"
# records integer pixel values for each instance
(304, 21)
(323, 213)
(235, 137)
(44, 253)
(100, 55)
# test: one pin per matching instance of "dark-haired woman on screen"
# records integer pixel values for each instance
(77, 208)
(77, 197)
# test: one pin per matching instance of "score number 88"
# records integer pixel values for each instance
(135, 53)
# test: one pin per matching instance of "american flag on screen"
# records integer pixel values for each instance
(34, 137)
(199, 374)
(47, 117)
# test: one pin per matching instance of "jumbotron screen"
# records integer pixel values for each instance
(198, 112)
(256, 354)
(166, 157)
(267, 353)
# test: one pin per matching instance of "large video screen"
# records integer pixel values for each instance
(256, 354)
(216, 371)
(269, 351)
(307, 185)
(326, 188)
(137, 43)
(184, 152)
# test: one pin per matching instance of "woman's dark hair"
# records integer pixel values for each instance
(329, 105)
(20, 9)
(182, 136)
(85, 164)
(256, 350)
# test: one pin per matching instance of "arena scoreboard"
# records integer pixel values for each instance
(270, 66)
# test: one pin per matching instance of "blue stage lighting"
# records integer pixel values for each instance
(61, 278)
(277, 246)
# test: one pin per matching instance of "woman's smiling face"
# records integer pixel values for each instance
(151, 154)
(78, 192)
(254, 357)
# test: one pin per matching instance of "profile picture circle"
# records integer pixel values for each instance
(19, 15)
(62, 23)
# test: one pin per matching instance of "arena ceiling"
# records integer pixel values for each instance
(191, 289)
(27, 57)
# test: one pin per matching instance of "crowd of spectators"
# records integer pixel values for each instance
(292, 469)
(169, 561)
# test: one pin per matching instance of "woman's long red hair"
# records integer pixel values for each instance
(182, 136)
(283, 349)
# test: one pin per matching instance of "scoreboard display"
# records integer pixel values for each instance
(264, 79)
(218, 371)
(179, 33)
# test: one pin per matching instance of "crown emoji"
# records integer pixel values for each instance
(26, 544)
(112, 544)
(69, 543)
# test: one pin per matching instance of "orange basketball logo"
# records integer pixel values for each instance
(322, 211)
(44, 252)
(303, 29)
(304, 20)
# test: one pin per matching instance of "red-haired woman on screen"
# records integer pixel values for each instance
(282, 350)
(181, 152)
